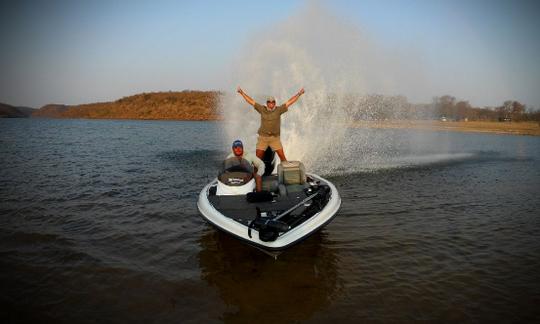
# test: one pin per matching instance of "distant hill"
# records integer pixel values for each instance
(50, 111)
(184, 105)
(27, 110)
(8, 111)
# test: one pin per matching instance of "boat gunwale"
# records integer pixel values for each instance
(334, 202)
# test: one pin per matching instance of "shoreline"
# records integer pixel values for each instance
(486, 127)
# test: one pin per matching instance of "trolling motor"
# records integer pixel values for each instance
(268, 228)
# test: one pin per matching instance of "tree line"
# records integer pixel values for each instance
(379, 107)
(510, 110)
(204, 105)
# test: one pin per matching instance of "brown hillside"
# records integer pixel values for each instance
(185, 105)
(8, 111)
(51, 111)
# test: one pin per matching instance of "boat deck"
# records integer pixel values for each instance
(239, 209)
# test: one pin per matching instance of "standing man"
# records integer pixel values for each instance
(238, 152)
(270, 122)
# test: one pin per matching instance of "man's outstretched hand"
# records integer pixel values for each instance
(294, 98)
(245, 96)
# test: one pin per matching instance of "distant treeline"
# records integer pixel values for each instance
(204, 105)
(449, 107)
(378, 107)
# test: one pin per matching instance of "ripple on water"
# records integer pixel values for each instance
(100, 222)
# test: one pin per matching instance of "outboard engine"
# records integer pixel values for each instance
(269, 160)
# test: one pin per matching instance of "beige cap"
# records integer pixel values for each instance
(270, 98)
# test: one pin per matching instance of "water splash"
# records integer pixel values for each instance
(336, 62)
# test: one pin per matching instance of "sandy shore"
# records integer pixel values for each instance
(514, 128)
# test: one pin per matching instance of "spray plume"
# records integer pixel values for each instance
(337, 64)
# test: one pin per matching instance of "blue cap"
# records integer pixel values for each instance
(237, 143)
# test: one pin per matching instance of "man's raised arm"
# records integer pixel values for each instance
(245, 96)
(294, 98)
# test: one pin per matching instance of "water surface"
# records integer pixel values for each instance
(99, 224)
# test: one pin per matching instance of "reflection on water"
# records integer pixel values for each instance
(258, 288)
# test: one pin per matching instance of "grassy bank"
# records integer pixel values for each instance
(515, 128)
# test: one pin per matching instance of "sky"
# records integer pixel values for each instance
(75, 52)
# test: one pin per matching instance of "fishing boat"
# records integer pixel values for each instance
(292, 205)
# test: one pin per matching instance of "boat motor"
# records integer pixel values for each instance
(269, 229)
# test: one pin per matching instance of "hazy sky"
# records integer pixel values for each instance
(86, 51)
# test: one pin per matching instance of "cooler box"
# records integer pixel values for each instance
(291, 173)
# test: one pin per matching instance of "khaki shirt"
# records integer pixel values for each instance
(270, 119)
(253, 159)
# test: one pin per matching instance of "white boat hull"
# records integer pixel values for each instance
(286, 239)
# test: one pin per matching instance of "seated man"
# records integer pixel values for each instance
(238, 152)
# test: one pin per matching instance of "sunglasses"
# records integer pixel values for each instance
(271, 101)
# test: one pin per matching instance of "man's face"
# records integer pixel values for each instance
(271, 104)
(238, 150)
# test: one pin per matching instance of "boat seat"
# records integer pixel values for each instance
(296, 187)
(270, 183)
(291, 173)
(282, 190)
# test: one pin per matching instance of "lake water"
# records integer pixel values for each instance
(98, 223)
